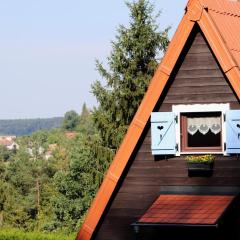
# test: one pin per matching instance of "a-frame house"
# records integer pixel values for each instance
(190, 108)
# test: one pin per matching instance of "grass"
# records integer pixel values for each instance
(15, 234)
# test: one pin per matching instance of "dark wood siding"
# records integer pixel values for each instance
(197, 78)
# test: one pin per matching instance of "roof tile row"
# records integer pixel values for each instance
(193, 209)
(226, 16)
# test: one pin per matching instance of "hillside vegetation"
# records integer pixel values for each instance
(48, 183)
(21, 127)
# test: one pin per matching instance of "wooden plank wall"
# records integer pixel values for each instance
(198, 79)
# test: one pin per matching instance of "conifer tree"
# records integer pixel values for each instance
(131, 65)
(85, 121)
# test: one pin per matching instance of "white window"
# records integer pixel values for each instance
(200, 128)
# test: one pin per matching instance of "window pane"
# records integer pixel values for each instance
(202, 130)
(208, 140)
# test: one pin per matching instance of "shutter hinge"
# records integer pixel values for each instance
(176, 119)
(176, 147)
(224, 117)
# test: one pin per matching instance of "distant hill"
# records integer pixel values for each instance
(20, 127)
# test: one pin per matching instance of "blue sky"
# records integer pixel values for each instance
(48, 50)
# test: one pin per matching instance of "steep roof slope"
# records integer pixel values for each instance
(226, 16)
(219, 22)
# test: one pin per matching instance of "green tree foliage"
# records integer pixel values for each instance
(70, 121)
(131, 65)
(77, 186)
(27, 184)
(86, 125)
(5, 154)
(85, 113)
(2, 190)
(52, 194)
(78, 183)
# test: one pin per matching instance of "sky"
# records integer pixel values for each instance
(48, 50)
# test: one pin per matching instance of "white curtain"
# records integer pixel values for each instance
(204, 125)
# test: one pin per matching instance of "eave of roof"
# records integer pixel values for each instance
(196, 12)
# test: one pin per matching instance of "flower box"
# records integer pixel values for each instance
(202, 164)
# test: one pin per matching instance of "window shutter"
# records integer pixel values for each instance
(233, 131)
(163, 133)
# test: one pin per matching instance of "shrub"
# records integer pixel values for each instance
(14, 234)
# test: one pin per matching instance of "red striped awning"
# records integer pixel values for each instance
(186, 209)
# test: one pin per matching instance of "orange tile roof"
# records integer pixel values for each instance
(186, 209)
(226, 15)
(228, 7)
(205, 14)
(7, 140)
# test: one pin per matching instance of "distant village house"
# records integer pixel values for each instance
(9, 142)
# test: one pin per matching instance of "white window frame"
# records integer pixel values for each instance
(193, 108)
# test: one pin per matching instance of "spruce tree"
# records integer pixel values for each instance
(131, 65)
